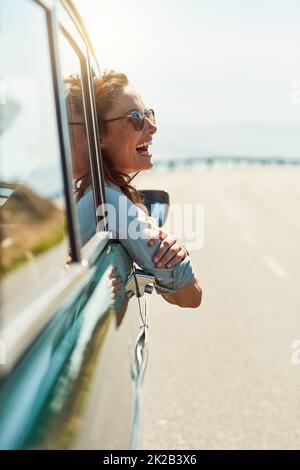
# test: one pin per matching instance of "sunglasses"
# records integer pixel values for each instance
(137, 118)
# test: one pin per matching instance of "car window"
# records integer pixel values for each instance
(71, 63)
(34, 234)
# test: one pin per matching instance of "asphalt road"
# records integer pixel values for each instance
(221, 376)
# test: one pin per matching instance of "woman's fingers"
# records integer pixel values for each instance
(179, 256)
(170, 251)
(156, 234)
(163, 235)
(170, 255)
(165, 245)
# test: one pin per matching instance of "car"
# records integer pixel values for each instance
(72, 354)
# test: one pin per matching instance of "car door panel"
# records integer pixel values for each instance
(77, 376)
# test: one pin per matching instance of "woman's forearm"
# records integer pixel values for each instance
(189, 296)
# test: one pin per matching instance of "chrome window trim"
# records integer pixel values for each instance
(94, 123)
(82, 60)
(71, 23)
(76, 20)
(47, 4)
(91, 134)
(64, 20)
(63, 132)
(85, 55)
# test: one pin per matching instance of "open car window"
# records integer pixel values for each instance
(71, 64)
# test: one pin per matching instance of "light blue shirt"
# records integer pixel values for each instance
(86, 216)
(127, 223)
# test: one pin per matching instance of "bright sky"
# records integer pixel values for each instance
(205, 62)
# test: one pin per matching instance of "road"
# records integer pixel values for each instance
(221, 376)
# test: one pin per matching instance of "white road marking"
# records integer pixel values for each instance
(273, 266)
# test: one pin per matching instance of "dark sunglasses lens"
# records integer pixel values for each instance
(138, 120)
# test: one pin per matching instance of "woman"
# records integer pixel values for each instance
(126, 131)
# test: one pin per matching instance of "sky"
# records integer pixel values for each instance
(222, 75)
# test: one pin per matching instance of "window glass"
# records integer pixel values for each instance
(82, 184)
(34, 242)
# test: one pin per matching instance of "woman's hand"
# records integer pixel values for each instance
(170, 251)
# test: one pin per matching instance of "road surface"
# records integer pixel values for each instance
(221, 376)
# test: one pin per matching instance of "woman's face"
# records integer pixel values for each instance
(121, 139)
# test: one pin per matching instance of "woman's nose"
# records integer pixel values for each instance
(150, 127)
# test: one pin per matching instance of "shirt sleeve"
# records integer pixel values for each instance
(86, 217)
(128, 224)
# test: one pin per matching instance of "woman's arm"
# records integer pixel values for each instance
(189, 296)
(168, 254)
(128, 224)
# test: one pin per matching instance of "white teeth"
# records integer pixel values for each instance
(143, 144)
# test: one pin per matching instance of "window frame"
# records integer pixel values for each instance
(69, 24)
(86, 108)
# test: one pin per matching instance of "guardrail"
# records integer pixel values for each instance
(173, 164)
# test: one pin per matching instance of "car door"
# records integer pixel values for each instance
(73, 354)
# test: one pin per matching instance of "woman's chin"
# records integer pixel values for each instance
(146, 166)
(144, 162)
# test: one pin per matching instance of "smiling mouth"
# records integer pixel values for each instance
(142, 149)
